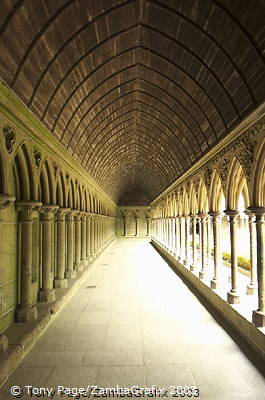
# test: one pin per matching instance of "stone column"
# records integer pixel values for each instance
(148, 227)
(46, 292)
(136, 226)
(96, 234)
(83, 261)
(252, 286)
(91, 228)
(182, 238)
(93, 232)
(258, 317)
(70, 272)
(26, 310)
(60, 280)
(178, 237)
(233, 296)
(173, 234)
(193, 264)
(5, 201)
(203, 241)
(209, 233)
(187, 240)
(78, 266)
(87, 238)
(125, 226)
(217, 255)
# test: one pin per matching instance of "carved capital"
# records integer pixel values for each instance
(27, 208)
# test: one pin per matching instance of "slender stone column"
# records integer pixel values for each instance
(96, 235)
(60, 280)
(88, 238)
(70, 272)
(172, 242)
(26, 310)
(252, 286)
(93, 225)
(193, 264)
(125, 226)
(209, 235)
(258, 317)
(182, 238)
(46, 292)
(136, 226)
(203, 245)
(91, 228)
(148, 219)
(83, 261)
(187, 240)
(5, 201)
(217, 256)
(178, 243)
(233, 296)
(78, 266)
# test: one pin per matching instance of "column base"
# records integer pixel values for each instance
(233, 298)
(60, 283)
(201, 274)
(78, 267)
(46, 295)
(70, 274)
(192, 268)
(214, 283)
(258, 318)
(251, 289)
(91, 259)
(26, 314)
(3, 343)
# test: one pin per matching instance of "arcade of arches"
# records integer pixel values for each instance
(136, 118)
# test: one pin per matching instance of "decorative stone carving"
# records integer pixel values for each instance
(67, 177)
(10, 138)
(37, 157)
(56, 170)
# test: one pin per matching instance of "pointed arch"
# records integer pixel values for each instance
(258, 177)
(236, 185)
(217, 199)
(46, 185)
(25, 186)
(193, 200)
(203, 203)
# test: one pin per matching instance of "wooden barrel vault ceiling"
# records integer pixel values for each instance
(136, 90)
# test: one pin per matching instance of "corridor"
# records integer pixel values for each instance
(134, 323)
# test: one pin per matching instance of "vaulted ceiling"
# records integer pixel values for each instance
(136, 90)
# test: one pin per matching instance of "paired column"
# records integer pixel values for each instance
(217, 255)
(258, 317)
(178, 242)
(148, 225)
(70, 272)
(5, 201)
(88, 233)
(233, 296)
(46, 292)
(203, 242)
(83, 261)
(60, 280)
(78, 266)
(252, 286)
(187, 240)
(194, 249)
(26, 310)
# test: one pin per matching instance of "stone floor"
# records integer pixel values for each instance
(135, 323)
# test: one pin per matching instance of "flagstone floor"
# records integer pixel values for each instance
(135, 324)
